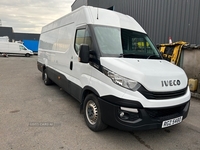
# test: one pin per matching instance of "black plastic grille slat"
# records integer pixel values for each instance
(161, 95)
(160, 113)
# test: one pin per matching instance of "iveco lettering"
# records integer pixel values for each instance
(106, 61)
(171, 83)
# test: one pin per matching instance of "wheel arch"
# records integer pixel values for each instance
(87, 90)
(42, 69)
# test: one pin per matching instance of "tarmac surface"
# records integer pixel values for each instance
(38, 117)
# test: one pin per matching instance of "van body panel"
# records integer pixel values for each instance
(100, 82)
(114, 19)
(150, 73)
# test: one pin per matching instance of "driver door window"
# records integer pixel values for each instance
(21, 47)
(82, 37)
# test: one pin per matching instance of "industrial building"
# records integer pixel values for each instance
(178, 19)
(30, 40)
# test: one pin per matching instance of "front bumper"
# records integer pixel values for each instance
(145, 118)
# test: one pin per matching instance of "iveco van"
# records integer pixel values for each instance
(106, 61)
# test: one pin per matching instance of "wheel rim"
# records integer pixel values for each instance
(91, 112)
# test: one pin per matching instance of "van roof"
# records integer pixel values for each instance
(97, 16)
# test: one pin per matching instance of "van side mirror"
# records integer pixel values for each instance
(84, 53)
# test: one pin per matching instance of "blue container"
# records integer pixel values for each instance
(31, 44)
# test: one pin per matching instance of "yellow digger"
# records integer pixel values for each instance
(172, 52)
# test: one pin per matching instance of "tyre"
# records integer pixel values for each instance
(92, 113)
(46, 79)
(27, 55)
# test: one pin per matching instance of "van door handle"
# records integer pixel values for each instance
(71, 65)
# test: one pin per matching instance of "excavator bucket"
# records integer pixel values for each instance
(171, 52)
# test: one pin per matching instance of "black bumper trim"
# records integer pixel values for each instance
(122, 102)
(40, 66)
(110, 116)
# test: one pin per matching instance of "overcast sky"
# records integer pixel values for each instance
(29, 16)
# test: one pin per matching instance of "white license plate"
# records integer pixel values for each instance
(171, 122)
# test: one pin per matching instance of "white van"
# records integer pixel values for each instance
(106, 61)
(14, 48)
(4, 39)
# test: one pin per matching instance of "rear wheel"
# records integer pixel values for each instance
(46, 79)
(92, 113)
(4, 54)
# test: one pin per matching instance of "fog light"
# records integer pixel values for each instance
(128, 114)
(124, 115)
(121, 114)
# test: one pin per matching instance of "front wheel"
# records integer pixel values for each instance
(92, 113)
(27, 55)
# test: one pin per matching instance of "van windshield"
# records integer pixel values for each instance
(124, 43)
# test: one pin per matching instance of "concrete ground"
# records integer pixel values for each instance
(34, 116)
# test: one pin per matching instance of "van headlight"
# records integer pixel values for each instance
(122, 81)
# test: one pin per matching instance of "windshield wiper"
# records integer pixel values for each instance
(154, 56)
(140, 56)
(132, 55)
(128, 55)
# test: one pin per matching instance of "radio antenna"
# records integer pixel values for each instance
(98, 10)
(97, 13)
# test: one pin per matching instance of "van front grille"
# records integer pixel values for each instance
(162, 95)
(163, 113)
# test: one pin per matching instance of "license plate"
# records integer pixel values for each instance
(171, 122)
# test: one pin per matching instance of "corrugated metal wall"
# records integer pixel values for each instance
(179, 19)
(78, 3)
(7, 31)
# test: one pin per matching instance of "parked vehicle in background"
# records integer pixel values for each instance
(10, 48)
(107, 62)
(4, 39)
